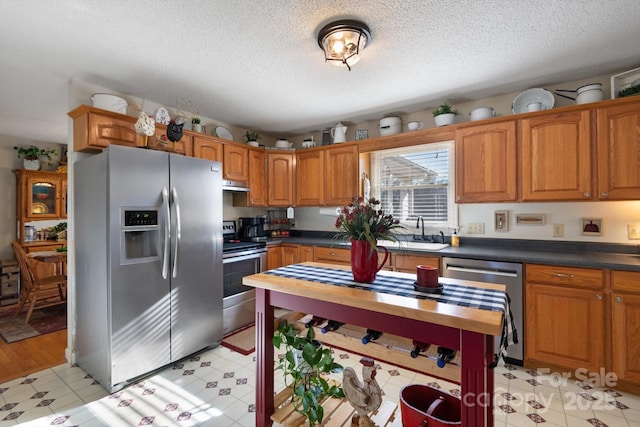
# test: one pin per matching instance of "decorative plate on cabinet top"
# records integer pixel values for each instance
(39, 208)
(522, 101)
(223, 132)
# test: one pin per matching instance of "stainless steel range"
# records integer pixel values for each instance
(239, 259)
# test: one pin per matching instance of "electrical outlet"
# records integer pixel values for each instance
(475, 228)
(558, 230)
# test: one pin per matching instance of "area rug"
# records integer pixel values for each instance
(43, 321)
(242, 341)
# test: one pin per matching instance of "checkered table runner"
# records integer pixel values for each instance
(465, 296)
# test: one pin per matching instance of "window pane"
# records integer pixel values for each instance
(416, 181)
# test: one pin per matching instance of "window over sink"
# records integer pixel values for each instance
(416, 181)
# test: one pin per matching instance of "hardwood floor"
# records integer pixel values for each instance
(32, 355)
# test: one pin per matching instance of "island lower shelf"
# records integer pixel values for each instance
(388, 348)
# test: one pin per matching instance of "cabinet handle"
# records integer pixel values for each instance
(587, 195)
(563, 275)
(332, 253)
(599, 297)
(619, 300)
(604, 194)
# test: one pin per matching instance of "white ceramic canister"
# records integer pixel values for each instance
(390, 126)
(482, 113)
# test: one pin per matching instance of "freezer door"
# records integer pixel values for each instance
(139, 304)
(196, 254)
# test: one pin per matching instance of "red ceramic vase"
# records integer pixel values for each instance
(364, 261)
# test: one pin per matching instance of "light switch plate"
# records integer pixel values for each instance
(634, 231)
(475, 228)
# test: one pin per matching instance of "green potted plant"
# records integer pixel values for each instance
(32, 155)
(195, 123)
(444, 114)
(303, 365)
(252, 137)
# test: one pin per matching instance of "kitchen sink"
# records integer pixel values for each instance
(427, 246)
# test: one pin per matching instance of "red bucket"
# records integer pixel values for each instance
(422, 405)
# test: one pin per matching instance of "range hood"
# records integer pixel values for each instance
(234, 186)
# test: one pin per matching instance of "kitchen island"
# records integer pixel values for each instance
(469, 330)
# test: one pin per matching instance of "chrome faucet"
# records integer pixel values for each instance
(420, 218)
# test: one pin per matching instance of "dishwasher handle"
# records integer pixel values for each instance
(505, 273)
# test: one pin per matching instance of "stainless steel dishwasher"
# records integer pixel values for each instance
(504, 273)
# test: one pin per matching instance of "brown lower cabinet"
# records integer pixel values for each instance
(625, 325)
(577, 319)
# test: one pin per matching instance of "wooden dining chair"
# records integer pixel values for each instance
(37, 291)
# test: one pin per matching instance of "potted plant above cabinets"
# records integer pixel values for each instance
(195, 123)
(444, 114)
(32, 154)
(252, 138)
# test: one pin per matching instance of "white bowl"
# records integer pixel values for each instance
(482, 113)
(110, 102)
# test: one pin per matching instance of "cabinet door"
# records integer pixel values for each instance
(290, 254)
(160, 142)
(332, 255)
(235, 165)
(618, 152)
(274, 257)
(625, 329)
(310, 178)
(257, 178)
(342, 175)
(409, 263)
(565, 326)
(305, 253)
(280, 179)
(486, 163)
(556, 157)
(42, 197)
(105, 130)
(205, 148)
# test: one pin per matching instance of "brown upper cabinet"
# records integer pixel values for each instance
(205, 148)
(95, 129)
(310, 179)
(236, 163)
(486, 163)
(257, 194)
(342, 175)
(618, 149)
(280, 168)
(556, 156)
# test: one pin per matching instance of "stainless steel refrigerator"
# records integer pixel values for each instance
(148, 249)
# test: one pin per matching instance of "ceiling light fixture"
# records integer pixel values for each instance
(343, 41)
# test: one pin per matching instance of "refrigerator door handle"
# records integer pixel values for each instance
(176, 241)
(167, 231)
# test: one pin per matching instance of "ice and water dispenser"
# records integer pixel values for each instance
(140, 236)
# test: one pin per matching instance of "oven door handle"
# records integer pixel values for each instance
(255, 255)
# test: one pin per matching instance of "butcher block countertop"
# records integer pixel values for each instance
(470, 319)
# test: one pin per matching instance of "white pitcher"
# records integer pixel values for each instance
(339, 133)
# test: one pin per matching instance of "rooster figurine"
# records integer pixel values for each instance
(365, 396)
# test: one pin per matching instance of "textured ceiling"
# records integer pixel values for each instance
(257, 65)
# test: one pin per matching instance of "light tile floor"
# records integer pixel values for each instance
(216, 388)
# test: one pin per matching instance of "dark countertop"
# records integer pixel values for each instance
(570, 254)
